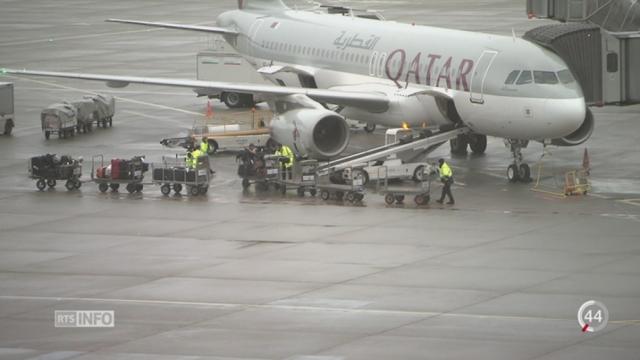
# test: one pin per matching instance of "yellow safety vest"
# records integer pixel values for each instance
(204, 147)
(285, 151)
(195, 154)
(445, 171)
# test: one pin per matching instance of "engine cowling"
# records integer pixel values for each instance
(579, 136)
(318, 133)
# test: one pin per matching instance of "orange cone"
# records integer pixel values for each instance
(209, 110)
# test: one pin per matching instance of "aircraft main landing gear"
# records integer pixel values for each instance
(519, 171)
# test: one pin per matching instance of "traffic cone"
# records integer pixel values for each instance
(586, 162)
(209, 110)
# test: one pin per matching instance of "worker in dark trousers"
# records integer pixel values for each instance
(287, 162)
(446, 176)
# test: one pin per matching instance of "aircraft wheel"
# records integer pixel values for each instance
(478, 143)
(458, 145)
(41, 184)
(512, 173)
(524, 173)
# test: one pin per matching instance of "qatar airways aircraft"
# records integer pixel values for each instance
(392, 74)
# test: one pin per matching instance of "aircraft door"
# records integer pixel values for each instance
(480, 75)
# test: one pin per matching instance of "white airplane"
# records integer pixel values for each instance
(391, 74)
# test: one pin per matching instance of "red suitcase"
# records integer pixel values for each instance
(115, 168)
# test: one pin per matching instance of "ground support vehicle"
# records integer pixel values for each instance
(105, 109)
(48, 169)
(7, 121)
(129, 173)
(256, 166)
(302, 176)
(59, 119)
(173, 174)
(420, 191)
(86, 111)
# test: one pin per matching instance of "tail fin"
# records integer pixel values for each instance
(261, 4)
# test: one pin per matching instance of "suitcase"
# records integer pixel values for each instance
(115, 168)
(100, 172)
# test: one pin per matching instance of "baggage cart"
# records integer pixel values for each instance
(59, 119)
(173, 173)
(7, 121)
(420, 191)
(353, 192)
(129, 173)
(257, 167)
(302, 176)
(86, 109)
(48, 169)
(105, 109)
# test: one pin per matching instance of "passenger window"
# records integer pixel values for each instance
(512, 77)
(565, 76)
(545, 77)
(525, 78)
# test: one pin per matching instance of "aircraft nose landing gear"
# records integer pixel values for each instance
(519, 171)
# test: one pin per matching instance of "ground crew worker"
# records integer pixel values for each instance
(446, 176)
(204, 145)
(192, 158)
(286, 152)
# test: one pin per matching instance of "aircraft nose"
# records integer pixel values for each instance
(567, 114)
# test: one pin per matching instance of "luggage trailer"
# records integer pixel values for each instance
(134, 183)
(173, 174)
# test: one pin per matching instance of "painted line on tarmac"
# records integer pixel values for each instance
(117, 97)
(297, 308)
(156, 118)
(632, 202)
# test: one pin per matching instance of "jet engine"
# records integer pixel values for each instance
(579, 136)
(318, 133)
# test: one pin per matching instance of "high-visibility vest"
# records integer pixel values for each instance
(195, 154)
(285, 151)
(204, 147)
(445, 171)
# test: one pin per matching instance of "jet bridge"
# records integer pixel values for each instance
(406, 149)
(600, 41)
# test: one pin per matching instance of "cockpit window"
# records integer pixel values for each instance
(525, 78)
(545, 77)
(565, 76)
(512, 77)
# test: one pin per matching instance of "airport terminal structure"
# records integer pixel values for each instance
(266, 179)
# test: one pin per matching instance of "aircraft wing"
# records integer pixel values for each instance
(369, 101)
(207, 29)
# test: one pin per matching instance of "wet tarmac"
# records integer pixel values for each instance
(236, 275)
